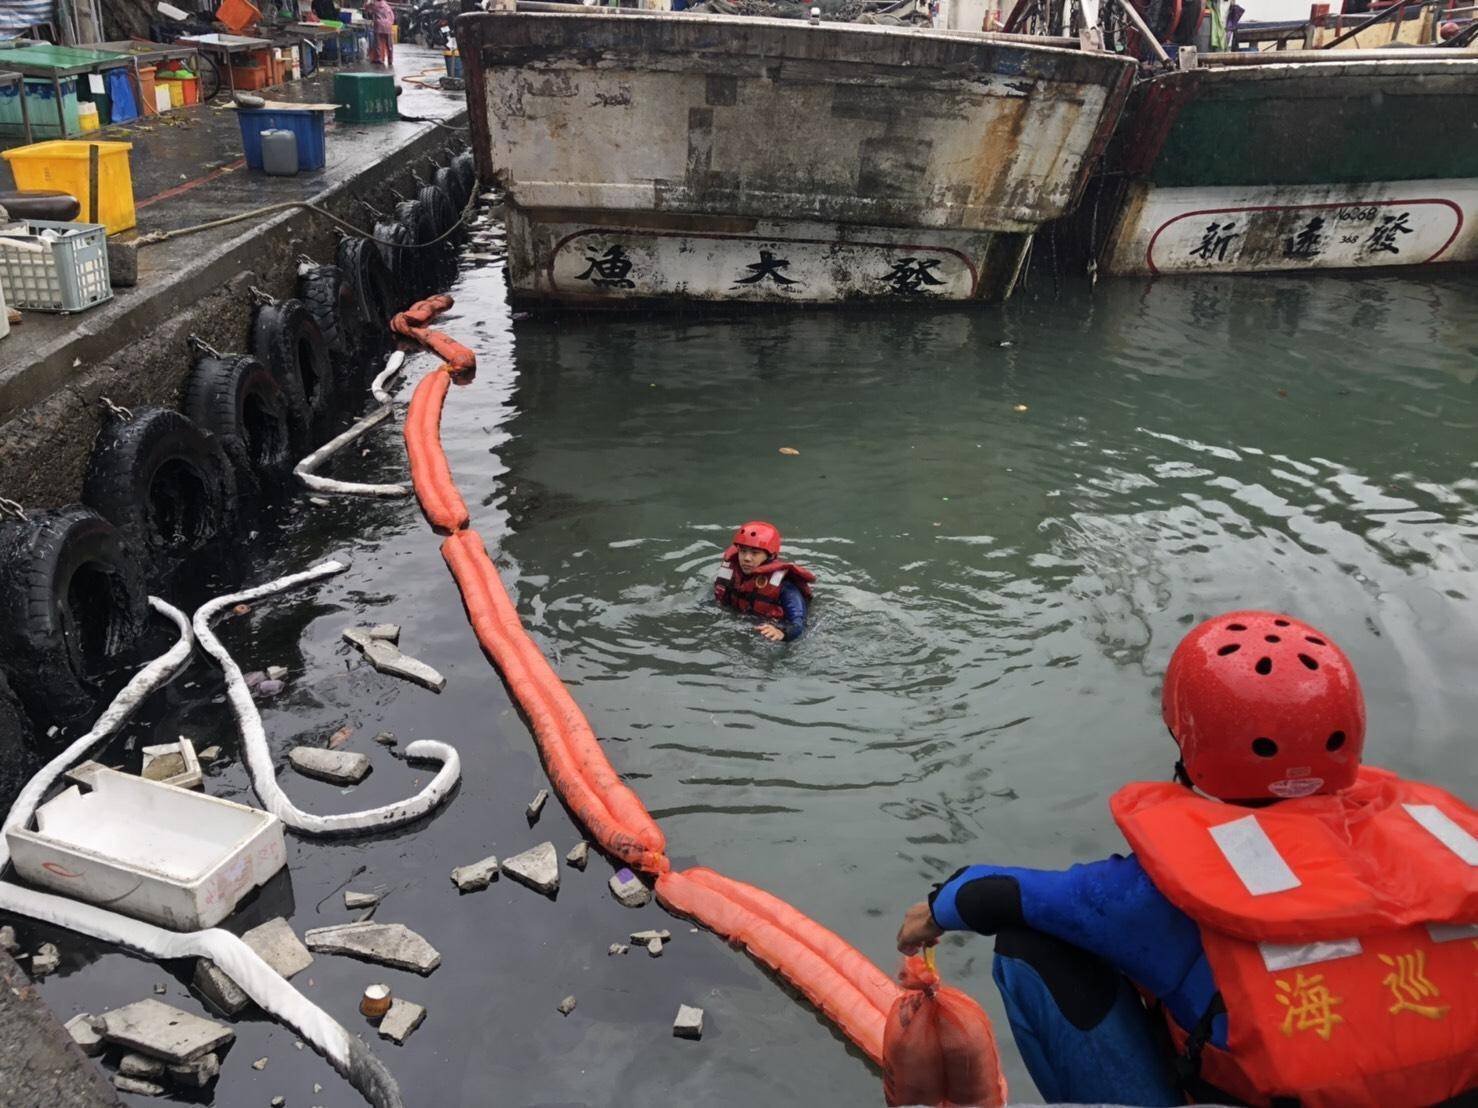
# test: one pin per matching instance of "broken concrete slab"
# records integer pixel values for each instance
(140, 1065)
(137, 1086)
(172, 764)
(341, 767)
(628, 889)
(616, 948)
(654, 947)
(197, 1074)
(209, 754)
(354, 900)
(387, 944)
(538, 868)
(276, 673)
(403, 1018)
(476, 876)
(46, 960)
(259, 1065)
(84, 1035)
(536, 806)
(157, 1029)
(389, 632)
(579, 855)
(224, 995)
(567, 1005)
(645, 937)
(277, 944)
(689, 1022)
(387, 658)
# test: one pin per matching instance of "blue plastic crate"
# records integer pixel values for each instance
(122, 105)
(308, 126)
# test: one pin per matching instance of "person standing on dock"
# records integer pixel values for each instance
(1307, 928)
(753, 580)
(382, 16)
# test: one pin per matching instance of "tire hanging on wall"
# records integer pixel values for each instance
(287, 341)
(369, 280)
(325, 294)
(164, 483)
(466, 168)
(447, 179)
(19, 756)
(238, 400)
(443, 210)
(420, 229)
(391, 237)
(72, 609)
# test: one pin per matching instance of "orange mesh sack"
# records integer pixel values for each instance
(939, 1047)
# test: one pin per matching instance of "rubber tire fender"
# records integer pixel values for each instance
(465, 166)
(449, 182)
(238, 400)
(61, 564)
(390, 237)
(286, 340)
(163, 482)
(442, 208)
(420, 227)
(369, 280)
(325, 294)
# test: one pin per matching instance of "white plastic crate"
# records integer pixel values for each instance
(70, 276)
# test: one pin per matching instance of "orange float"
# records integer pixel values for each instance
(430, 474)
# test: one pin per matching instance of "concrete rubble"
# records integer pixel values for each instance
(403, 1018)
(277, 944)
(224, 995)
(536, 806)
(538, 868)
(386, 738)
(628, 889)
(172, 764)
(8, 941)
(386, 657)
(137, 1086)
(339, 767)
(140, 1065)
(689, 1022)
(154, 1028)
(85, 1035)
(197, 1074)
(654, 947)
(579, 855)
(46, 960)
(259, 1065)
(387, 944)
(663, 936)
(354, 900)
(616, 948)
(567, 1005)
(209, 754)
(476, 876)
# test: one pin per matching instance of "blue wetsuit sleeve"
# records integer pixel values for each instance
(1109, 908)
(794, 603)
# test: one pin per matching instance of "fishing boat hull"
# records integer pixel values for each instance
(653, 157)
(1296, 165)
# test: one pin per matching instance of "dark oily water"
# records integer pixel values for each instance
(1014, 514)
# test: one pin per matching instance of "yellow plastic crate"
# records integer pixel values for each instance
(62, 165)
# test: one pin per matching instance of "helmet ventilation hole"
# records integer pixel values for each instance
(1307, 661)
(1271, 638)
(1264, 666)
(1335, 741)
(1315, 641)
(1236, 627)
(1264, 747)
(1230, 648)
(1280, 623)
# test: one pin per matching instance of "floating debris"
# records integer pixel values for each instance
(336, 766)
(172, 764)
(276, 673)
(259, 1064)
(209, 754)
(160, 989)
(689, 1022)
(386, 657)
(645, 937)
(375, 1001)
(403, 1018)
(386, 738)
(46, 960)
(476, 876)
(277, 944)
(387, 944)
(616, 948)
(628, 889)
(8, 942)
(354, 900)
(654, 947)
(162, 1031)
(340, 737)
(536, 806)
(538, 868)
(579, 855)
(790, 451)
(1019, 408)
(241, 609)
(567, 1005)
(84, 1034)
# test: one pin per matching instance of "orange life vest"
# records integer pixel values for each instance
(1341, 931)
(758, 592)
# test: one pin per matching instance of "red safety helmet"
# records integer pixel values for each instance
(758, 533)
(1263, 705)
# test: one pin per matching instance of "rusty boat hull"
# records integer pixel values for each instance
(674, 158)
(1304, 160)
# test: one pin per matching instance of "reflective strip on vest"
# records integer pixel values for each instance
(1452, 932)
(1287, 956)
(777, 578)
(726, 574)
(1445, 831)
(1253, 857)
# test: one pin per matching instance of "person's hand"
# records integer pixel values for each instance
(771, 632)
(919, 929)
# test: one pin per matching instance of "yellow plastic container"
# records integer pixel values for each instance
(87, 116)
(176, 90)
(63, 165)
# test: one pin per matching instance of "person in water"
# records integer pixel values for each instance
(1307, 928)
(753, 580)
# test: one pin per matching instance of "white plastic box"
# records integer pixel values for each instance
(156, 852)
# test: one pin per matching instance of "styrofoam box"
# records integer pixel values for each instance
(149, 850)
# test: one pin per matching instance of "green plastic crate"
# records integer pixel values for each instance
(365, 98)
